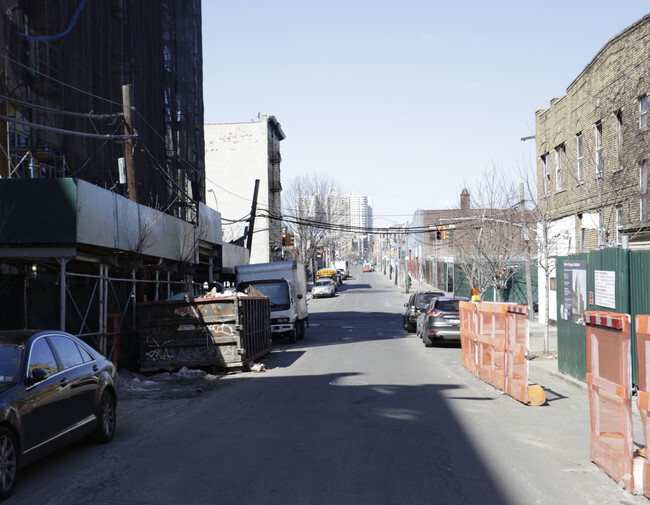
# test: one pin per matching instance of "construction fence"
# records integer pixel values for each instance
(494, 340)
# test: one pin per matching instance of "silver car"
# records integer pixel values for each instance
(440, 322)
(322, 287)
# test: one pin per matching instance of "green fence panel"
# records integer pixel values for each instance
(639, 262)
(599, 280)
(571, 291)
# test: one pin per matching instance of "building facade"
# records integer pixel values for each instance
(101, 179)
(592, 148)
(236, 155)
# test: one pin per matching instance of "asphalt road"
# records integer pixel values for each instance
(360, 412)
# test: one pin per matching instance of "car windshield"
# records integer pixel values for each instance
(323, 283)
(447, 305)
(278, 292)
(9, 361)
(423, 299)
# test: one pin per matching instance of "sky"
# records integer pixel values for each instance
(407, 102)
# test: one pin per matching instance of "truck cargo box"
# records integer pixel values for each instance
(222, 333)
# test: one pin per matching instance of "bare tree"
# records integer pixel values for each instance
(490, 235)
(313, 214)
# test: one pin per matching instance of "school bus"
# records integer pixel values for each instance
(328, 273)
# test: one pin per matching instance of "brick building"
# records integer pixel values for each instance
(592, 152)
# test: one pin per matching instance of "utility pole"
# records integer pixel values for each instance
(526, 236)
(251, 227)
(129, 145)
(397, 272)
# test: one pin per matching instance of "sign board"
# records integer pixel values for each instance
(575, 291)
(605, 288)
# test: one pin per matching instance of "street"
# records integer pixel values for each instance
(359, 412)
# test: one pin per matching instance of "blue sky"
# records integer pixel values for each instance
(408, 101)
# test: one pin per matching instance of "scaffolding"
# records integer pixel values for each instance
(63, 66)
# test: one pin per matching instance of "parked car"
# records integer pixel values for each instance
(417, 303)
(54, 389)
(440, 322)
(342, 274)
(367, 267)
(323, 287)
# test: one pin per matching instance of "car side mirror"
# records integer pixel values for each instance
(38, 375)
(406, 305)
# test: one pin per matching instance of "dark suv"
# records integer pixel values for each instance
(441, 320)
(416, 304)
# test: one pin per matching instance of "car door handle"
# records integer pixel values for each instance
(64, 382)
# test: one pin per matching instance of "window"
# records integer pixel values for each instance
(67, 351)
(619, 139)
(546, 177)
(559, 168)
(643, 191)
(599, 148)
(643, 112)
(619, 223)
(42, 357)
(580, 170)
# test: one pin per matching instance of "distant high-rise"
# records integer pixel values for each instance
(360, 215)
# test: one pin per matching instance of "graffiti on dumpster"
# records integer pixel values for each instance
(223, 330)
(193, 354)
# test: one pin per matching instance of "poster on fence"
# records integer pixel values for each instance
(575, 291)
(605, 288)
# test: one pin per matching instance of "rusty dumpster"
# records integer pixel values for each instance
(222, 333)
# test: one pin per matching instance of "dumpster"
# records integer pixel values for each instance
(220, 333)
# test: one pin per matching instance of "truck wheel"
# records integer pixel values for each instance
(301, 330)
(293, 335)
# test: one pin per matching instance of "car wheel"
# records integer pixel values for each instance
(8, 462)
(106, 418)
(427, 341)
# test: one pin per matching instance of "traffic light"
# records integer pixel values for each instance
(438, 232)
(290, 239)
(445, 233)
(285, 238)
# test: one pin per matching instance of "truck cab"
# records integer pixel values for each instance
(285, 284)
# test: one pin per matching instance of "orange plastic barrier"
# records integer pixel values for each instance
(643, 399)
(491, 343)
(517, 339)
(608, 382)
(467, 312)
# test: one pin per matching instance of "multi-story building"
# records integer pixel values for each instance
(236, 155)
(101, 179)
(428, 245)
(593, 155)
(360, 210)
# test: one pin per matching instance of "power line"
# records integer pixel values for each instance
(84, 115)
(117, 138)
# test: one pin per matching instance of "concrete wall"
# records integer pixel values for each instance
(235, 155)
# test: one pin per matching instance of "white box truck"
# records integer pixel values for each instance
(341, 265)
(285, 283)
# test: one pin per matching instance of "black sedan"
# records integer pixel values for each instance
(54, 389)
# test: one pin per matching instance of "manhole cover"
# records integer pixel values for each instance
(347, 382)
